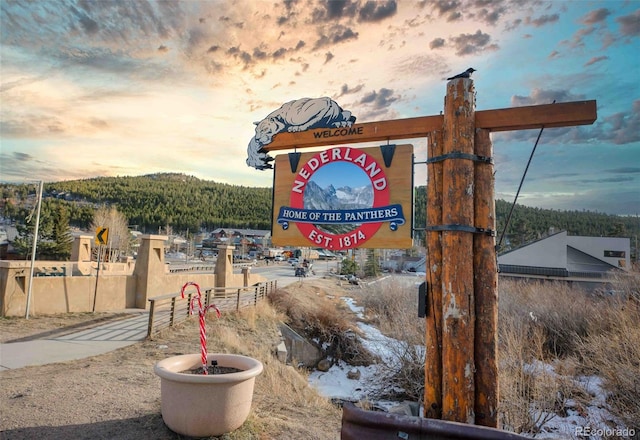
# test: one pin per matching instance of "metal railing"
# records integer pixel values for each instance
(168, 310)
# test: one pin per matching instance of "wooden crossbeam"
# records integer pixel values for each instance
(507, 119)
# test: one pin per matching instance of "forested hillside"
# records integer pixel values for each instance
(160, 200)
(529, 223)
(187, 203)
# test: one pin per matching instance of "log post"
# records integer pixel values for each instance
(457, 259)
(433, 336)
(485, 288)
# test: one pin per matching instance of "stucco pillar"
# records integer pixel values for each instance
(14, 282)
(150, 269)
(246, 274)
(224, 265)
(81, 249)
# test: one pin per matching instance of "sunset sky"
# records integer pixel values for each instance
(108, 88)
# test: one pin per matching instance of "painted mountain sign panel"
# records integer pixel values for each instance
(344, 198)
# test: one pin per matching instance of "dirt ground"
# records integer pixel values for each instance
(117, 396)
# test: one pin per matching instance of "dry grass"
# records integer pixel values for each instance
(391, 306)
(323, 320)
(614, 353)
(549, 333)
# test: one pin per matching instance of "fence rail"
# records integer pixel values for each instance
(167, 310)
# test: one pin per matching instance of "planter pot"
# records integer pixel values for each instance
(199, 405)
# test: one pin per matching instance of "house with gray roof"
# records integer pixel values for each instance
(586, 260)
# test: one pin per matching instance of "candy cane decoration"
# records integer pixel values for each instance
(201, 313)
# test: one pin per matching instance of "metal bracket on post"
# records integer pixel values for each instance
(387, 154)
(461, 228)
(294, 159)
(460, 155)
(423, 310)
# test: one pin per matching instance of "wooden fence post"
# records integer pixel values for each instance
(151, 316)
(485, 287)
(172, 317)
(458, 367)
(433, 336)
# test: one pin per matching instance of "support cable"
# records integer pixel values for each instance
(504, 230)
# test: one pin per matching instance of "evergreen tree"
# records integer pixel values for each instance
(54, 237)
(371, 267)
(348, 267)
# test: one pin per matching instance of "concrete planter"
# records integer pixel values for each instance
(199, 405)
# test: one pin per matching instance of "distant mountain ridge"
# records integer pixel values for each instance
(330, 198)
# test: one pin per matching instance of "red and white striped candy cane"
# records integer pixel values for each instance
(201, 313)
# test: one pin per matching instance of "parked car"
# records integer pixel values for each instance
(293, 261)
(278, 258)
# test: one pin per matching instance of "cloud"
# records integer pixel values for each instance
(488, 12)
(491, 16)
(334, 10)
(617, 179)
(446, 6)
(624, 170)
(22, 82)
(423, 65)
(380, 99)
(596, 16)
(595, 60)
(630, 24)
(374, 11)
(513, 25)
(335, 34)
(542, 96)
(596, 23)
(376, 105)
(454, 16)
(554, 54)
(622, 127)
(471, 44)
(328, 57)
(542, 20)
(436, 43)
(89, 25)
(22, 156)
(346, 90)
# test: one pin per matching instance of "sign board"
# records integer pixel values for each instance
(102, 235)
(344, 198)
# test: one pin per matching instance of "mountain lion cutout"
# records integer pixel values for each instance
(298, 115)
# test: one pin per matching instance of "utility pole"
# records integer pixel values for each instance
(33, 250)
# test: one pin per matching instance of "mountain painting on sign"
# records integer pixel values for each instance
(344, 198)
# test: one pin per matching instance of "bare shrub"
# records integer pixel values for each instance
(615, 357)
(322, 323)
(547, 327)
(391, 305)
(530, 392)
(564, 313)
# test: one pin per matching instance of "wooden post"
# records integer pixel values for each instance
(485, 288)
(433, 337)
(457, 259)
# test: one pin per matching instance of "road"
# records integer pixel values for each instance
(283, 272)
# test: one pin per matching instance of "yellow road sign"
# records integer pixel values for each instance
(102, 235)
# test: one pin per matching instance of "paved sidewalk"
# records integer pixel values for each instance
(85, 343)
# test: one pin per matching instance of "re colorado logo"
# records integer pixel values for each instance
(339, 199)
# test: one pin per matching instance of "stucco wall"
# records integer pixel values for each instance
(120, 285)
